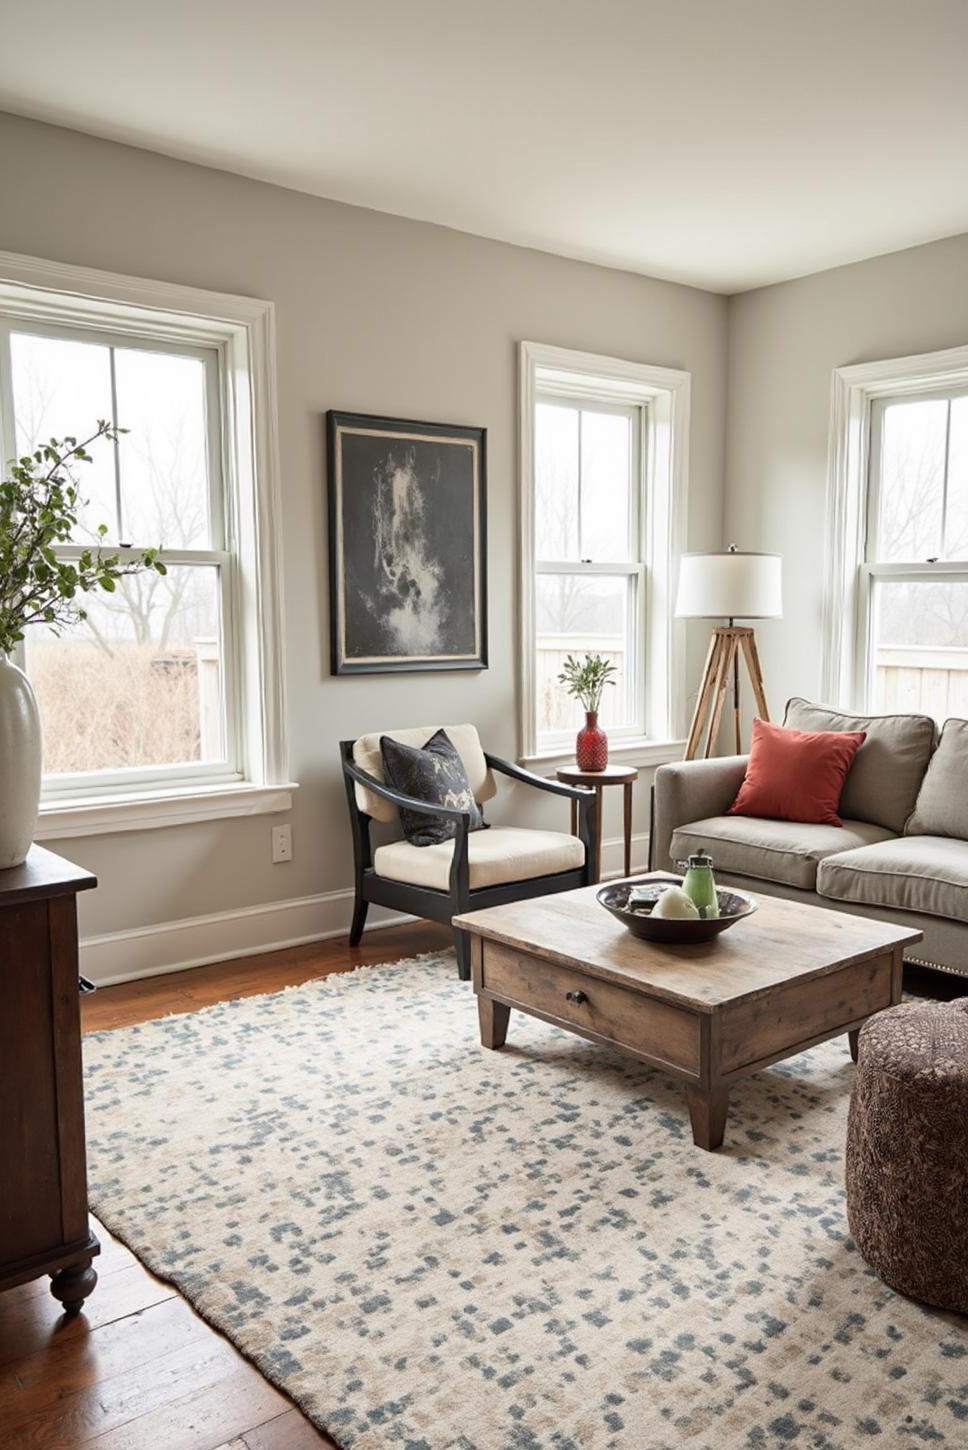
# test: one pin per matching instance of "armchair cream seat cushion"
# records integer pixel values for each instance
(465, 740)
(771, 850)
(928, 874)
(504, 853)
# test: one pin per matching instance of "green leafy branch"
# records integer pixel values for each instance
(586, 679)
(40, 504)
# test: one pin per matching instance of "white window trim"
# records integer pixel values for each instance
(666, 392)
(242, 330)
(854, 392)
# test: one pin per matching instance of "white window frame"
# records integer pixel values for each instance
(846, 670)
(662, 397)
(240, 333)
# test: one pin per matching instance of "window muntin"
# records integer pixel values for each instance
(142, 692)
(589, 590)
(913, 625)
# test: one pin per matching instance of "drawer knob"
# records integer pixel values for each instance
(578, 997)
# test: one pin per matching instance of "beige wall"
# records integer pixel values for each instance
(784, 342)
(380, 315)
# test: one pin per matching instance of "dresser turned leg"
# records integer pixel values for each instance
(72, 1286)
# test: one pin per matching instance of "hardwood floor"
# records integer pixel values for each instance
(139, 1370)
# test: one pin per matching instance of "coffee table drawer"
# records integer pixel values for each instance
(630, 1019)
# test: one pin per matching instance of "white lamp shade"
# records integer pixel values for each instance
(730, 586)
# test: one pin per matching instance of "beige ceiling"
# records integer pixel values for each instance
(726, 143)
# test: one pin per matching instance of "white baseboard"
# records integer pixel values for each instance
(172, 946)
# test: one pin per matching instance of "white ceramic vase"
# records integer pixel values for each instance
(20, 755)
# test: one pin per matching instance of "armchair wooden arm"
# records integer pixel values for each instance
(540, 782)
(397, 798)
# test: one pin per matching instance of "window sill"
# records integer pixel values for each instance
(149, 810)
(643, 753)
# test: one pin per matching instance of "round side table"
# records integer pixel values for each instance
(623, 775)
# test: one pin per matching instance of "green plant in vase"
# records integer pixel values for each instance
(40, 506)
(585, 680)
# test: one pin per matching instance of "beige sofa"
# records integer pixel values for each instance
(901, 854)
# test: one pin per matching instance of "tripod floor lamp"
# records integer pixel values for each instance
(730, 585)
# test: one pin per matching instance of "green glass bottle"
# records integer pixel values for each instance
(700, 886)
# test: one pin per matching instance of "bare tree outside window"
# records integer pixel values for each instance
(919, 625)
(588, 570)
(139, 682)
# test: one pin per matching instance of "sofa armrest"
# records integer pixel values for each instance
(690, 790)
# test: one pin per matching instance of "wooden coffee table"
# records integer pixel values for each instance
(780, 981)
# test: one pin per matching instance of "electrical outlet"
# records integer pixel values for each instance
(281, 843)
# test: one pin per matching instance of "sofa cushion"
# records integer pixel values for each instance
(366, 754)
(505, 853)
(434, 773)
(910, 873)
(784, 851)
(882, 784)
(796, 775)
(942, 805)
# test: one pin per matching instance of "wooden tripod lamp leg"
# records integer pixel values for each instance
(722, 665)
(726, 659)
(705, 695)
(751, 655)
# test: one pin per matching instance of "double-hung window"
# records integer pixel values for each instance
(913, 617)
(589, 593)
(603, 460)
(895, 625)
(170, 687)
(144, 686)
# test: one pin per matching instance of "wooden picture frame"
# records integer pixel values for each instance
(407, 545)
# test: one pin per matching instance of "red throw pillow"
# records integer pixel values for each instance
(796, 775)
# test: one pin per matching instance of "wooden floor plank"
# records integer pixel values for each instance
(88, 1414)
(41, 1381)
(200, 1421)
(291, 1431)
(187, 991)
(28, 1327)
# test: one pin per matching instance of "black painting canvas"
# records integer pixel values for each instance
(407, 556)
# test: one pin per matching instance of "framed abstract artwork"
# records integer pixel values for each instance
(407, 545)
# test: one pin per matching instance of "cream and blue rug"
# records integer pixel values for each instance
(430, 1246)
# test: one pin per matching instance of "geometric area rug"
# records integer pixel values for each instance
(430, 1246)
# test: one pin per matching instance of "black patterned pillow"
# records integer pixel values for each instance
(434, 774)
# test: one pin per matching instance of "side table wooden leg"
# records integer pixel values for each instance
(599, 812)
(493, 1017)
(707, 1112)
(628, 827)
(72, 1286)
(852, 1038)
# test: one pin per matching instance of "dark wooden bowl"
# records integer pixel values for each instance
(674, 931)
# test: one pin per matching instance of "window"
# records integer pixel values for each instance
(170, 689)
(602, 454)
(916, 575)
(904, 474)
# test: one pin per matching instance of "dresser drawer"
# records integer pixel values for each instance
(628, 1018)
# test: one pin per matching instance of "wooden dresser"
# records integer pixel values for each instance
(44, 1226)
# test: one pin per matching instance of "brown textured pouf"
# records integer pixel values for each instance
(907, 1150)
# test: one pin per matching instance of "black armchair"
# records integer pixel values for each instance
(441, 891)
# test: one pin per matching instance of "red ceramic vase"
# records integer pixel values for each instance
(591, 747)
